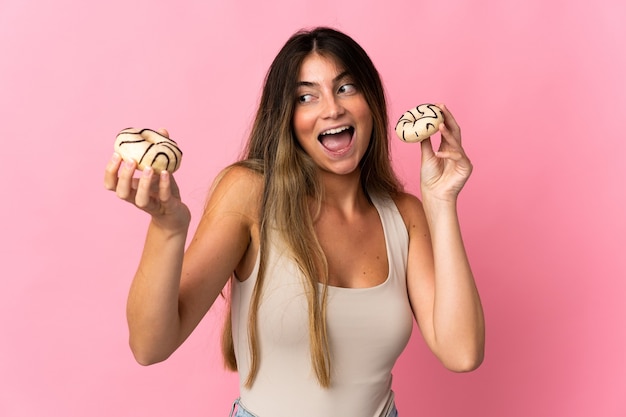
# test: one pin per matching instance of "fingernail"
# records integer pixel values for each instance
(116, 157)
(147, 171)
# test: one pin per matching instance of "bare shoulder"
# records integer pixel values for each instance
(236, 189)
(225, 240)
(227, 237)
(412, 212)
(238, 176)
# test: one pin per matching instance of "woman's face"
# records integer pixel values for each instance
(332, 121)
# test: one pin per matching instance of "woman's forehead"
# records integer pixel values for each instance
(316, 68)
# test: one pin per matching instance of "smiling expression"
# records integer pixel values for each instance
(332, 120)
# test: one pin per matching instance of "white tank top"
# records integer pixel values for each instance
(368, 328)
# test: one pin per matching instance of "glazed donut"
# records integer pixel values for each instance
(419, 123)
(148, 148)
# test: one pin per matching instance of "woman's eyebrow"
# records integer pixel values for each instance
(342, 75)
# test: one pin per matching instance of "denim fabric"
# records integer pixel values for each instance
(242, 412)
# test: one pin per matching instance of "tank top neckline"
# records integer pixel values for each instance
(332, 288)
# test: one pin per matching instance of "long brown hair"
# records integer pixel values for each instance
(291, 183)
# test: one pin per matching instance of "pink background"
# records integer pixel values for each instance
(539, 91)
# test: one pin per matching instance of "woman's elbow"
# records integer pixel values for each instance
(146, 360)
(147, 357)
(465, 363)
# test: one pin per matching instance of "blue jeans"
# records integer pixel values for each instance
(242, 412)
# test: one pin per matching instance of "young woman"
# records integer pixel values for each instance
(327, 258)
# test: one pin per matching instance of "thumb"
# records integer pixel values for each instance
(163, 132)
(427, 149)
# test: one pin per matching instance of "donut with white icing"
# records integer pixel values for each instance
(148, 148)
(419, 123)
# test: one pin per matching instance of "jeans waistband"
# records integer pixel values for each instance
(389, 411)
(241, 410)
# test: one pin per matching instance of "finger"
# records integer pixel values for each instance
(453, 155)
(142, 197)
(174, 186)
(163, 132)
(458, 156)
(110, 172)
(124, 187)
(448, 138)
(165, 187)
(134, 183)
(450, 121)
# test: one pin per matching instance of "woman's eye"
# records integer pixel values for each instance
(305, 98)
(347, 89)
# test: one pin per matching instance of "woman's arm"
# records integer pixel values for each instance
(441, 285)
(172, 289)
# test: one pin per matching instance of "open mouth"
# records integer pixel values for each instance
(338, 139)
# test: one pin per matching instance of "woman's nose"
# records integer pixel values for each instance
(332, 107)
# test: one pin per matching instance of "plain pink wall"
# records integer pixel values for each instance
(538, 89)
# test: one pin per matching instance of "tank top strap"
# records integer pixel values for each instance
(396, 235)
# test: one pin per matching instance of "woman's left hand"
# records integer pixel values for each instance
(445, 172)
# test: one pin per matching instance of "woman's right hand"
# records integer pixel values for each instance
(156, 194)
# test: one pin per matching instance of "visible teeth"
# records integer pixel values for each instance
(335, 131)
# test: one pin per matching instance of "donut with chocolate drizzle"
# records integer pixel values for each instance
(419, 123)
(148, 148)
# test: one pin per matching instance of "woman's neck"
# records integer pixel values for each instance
(343, 192)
